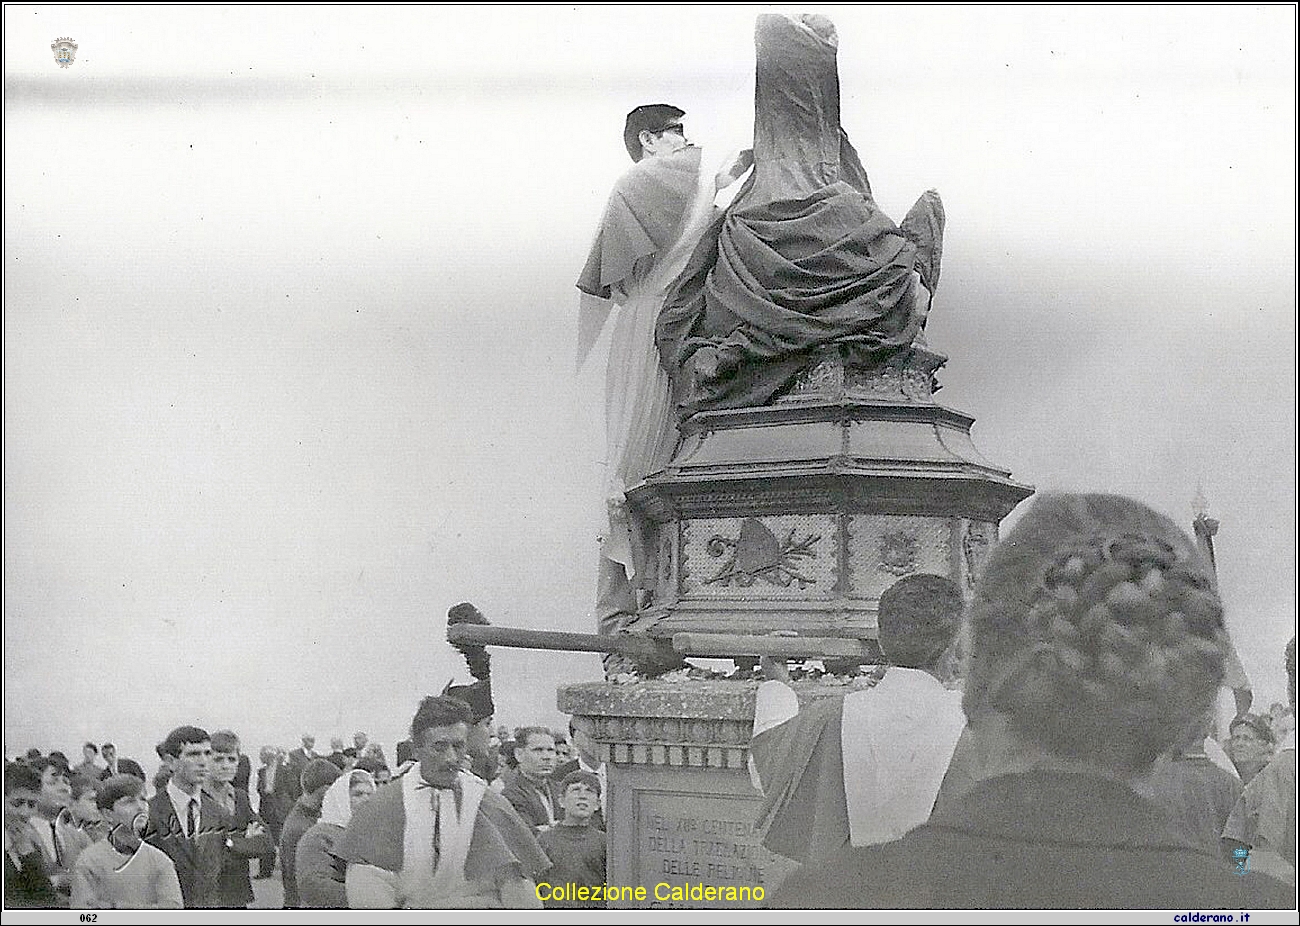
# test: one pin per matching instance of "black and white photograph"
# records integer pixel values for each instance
(650, 457)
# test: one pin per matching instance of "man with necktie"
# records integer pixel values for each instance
(186, 824)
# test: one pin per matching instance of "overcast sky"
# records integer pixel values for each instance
(289, 320)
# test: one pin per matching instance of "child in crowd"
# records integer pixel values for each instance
(59, 838)
(248, 838)
(84, 809)
(121, 872)
(575, 847)
(27, 884)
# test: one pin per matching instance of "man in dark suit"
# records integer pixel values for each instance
(290, 783)
(243, 773)
(188, 825)
(26, 883)
(247, 838)
(116, 766)
(269, 804)
(584, 760)
(528, 787)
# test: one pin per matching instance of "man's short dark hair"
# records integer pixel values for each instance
(370, 764)
(81, 784)
(20, 776)
(112, 790)
(40, 765)
(225, 741)
(918, 618)
(439, 711)
(465, 613)
(581, 776)
(92, 747)
(61, 759)
(181, 737)
(523, 733)
(108, 746)
(653, 117)
(1257, 723)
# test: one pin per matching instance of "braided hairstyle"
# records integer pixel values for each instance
(1097, 631)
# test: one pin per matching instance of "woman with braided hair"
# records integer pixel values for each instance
(1097, 634)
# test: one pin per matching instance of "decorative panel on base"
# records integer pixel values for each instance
(680, 810)
(796, 516)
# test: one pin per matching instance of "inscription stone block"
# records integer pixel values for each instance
(681, 806)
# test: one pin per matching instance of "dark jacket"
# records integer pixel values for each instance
(273, 805)
(198, 860)
(125, 767)
(288, 781)
(1038, 840)
(321, 875)
(29, 887)
(525, 797)
(577, 856)
(303, 817)
(236, 888)
(243, 773)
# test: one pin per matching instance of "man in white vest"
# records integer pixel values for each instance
(864, 768)
(438, 838)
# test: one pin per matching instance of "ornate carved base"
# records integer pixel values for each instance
(908, 376)
(797, 516)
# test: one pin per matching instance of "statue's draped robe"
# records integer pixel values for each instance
(653, 219)
(803, 258)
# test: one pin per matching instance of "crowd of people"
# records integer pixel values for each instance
(1094, 650)
(102, 835)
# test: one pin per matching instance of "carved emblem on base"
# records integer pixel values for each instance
(906, 377)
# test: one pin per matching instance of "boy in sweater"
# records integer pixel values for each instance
(122, 872)
(575, 847)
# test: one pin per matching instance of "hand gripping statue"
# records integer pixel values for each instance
(652, 222)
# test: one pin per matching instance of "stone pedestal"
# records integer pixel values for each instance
(680, 809)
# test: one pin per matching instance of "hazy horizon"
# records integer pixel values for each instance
(290, 320)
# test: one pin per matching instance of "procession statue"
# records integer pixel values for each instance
(777, 473)
(803, 259)
(717, 308)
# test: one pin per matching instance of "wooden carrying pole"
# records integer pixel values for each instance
(723, 645)
(748, 644)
